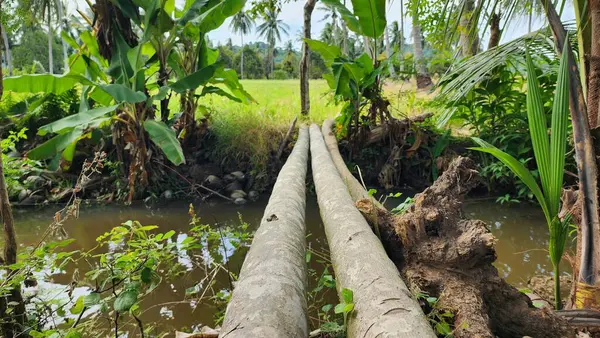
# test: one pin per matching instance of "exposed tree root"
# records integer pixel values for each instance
(449, 257)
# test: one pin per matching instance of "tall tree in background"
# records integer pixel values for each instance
(12, 307)
(40, 11)
(331, 13)
(469, 37)
(63, 25)
(388, 51)
(242, 23)
(271, 31)
(327, 34)
(584, 116)
(423, 78)
(7, 52)
(495, 31)
(305, 61)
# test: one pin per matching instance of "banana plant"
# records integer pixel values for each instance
(550, 153)
(356, 81)
(124, 77)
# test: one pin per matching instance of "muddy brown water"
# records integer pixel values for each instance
(520, 229)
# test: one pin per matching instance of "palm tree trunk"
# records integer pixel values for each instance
(423, 78)
(495, 32)
(242, 61)
(593, 81)
(588, 244)
(269, 299)
(344, 38)
(50, 38)
(9, 63)
(389, 53)
(64, 43)
(272, 59)
(359, 259)
(367, 47)
(468, 36)
(305, 61)
(11, 321)
(401, 47)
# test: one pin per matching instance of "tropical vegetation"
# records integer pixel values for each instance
(129, 102)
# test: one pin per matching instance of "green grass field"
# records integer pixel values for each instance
(253, 131)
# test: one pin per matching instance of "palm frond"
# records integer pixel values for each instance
(467, 73)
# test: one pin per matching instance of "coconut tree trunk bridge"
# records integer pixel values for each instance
(431, 248)
(269, 297)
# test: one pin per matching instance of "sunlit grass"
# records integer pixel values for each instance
(253, 131)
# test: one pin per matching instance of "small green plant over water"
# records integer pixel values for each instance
(126, 265)
(344, 308)
(403, 207)
(440, 319)
(550, 157)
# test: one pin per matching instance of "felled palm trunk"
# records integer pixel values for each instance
(269, 299)
(449, 257)
(383, 306)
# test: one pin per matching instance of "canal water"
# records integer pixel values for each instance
(520, 229)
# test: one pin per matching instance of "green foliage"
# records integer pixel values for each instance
(280, 75)
(495, 111)
(124, 88)
(34, 47)
(404, 206)
(440, 319)
(128, 264)
(549, 154)
(253, 63)
(164, 137)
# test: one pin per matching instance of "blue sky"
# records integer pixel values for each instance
(292, 13)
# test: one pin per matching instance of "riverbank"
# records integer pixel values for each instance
(520, 230)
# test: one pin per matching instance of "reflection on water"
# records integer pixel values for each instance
(522, 236)
(521, 231)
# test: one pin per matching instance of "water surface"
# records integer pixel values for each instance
(520, 229)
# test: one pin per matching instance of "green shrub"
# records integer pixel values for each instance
(280, 75)
(49, 108)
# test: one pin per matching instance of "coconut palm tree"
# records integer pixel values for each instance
(327, 34)
(331, 13)
(48, 10)
(423, 78)
(271, 31)
(242, 23)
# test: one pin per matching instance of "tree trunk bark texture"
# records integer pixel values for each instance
(593, 81)
(9, 63)
(469, 39)
(383, 306)
(423, 78)
(242, 60)
(388, 51)
(12, 322)
(495, 32)
(401, 47)
(269, 299)
(449, 257)
(61, 25)
(586, 293)
(50, 40)
(305, 61)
